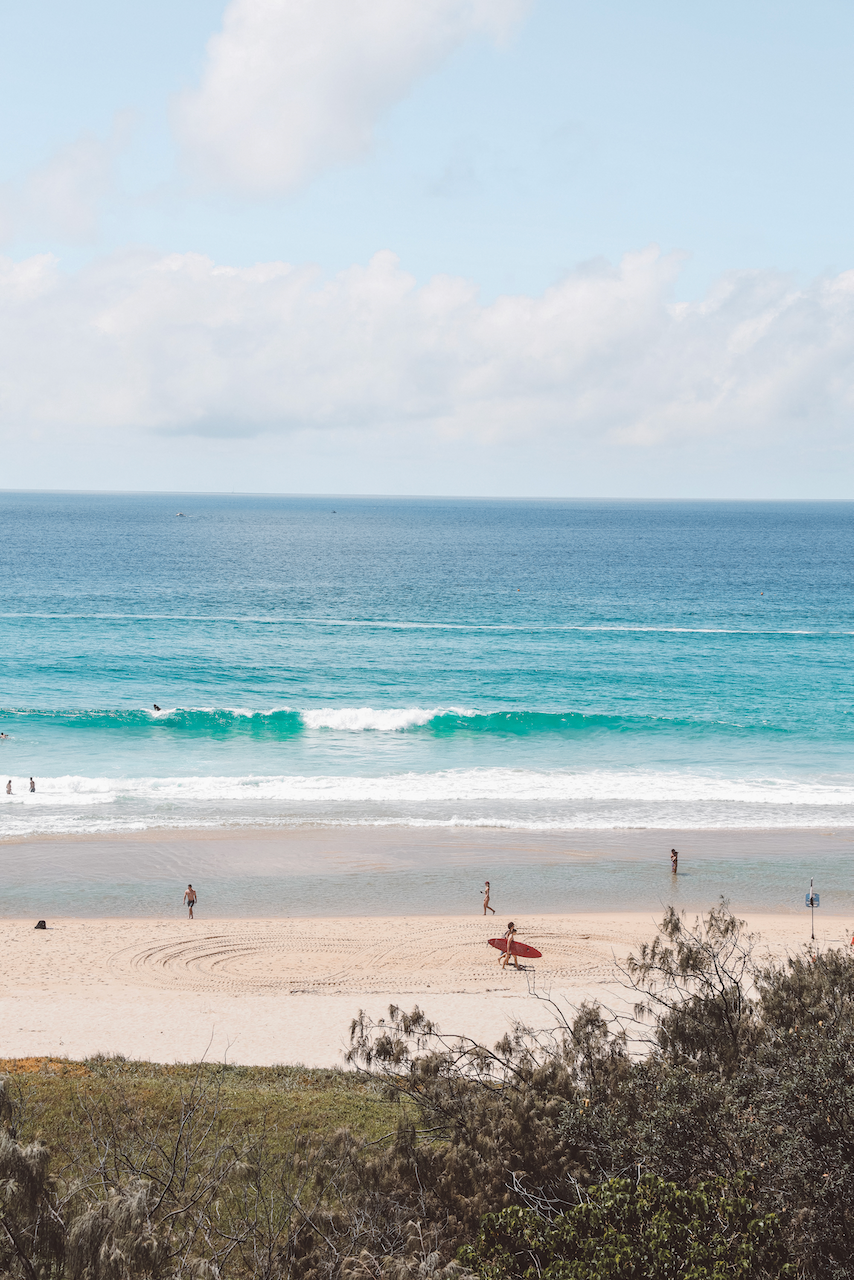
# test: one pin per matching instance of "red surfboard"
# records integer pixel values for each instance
(516, 948)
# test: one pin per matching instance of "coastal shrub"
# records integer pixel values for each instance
(697, 986)
(482, 1112)
(118, 1239)
(646, 1229)
(32, 1231)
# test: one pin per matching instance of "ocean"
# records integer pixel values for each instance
(524, 665)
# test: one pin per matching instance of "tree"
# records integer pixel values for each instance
(697, 983)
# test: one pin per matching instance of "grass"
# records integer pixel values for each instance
(75, 1106)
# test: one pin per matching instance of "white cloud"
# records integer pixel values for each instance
(291, 86)
(63, 197)
(603, 365)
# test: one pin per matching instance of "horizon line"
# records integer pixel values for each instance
(425, 497)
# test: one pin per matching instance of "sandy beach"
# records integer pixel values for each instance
(299, 928)
(284, 990)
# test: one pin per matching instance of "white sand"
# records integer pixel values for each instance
(284, 991)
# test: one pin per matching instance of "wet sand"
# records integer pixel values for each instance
(364, 871)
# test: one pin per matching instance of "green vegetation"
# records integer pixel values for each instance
(69, 1103)
(645, 1228)
(713, 1137)
(155, 1170)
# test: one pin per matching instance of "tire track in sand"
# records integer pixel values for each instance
(362, 957)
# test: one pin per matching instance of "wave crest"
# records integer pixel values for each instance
(284, 722)
(384, 720)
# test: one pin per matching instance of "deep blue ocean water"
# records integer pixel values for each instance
(529, 664)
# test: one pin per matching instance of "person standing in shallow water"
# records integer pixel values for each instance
(674, 859)
(486, 906)
(32, 785)
(9, 787)
(190, 898)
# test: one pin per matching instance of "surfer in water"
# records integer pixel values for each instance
(190, 899)
(510, 934)
(486, 906)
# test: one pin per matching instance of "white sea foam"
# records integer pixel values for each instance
(343, 719)
(501, 797)
(449, 785)
(386, 719)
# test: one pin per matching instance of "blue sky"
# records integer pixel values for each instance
(509, 155)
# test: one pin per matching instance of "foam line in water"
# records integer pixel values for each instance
(444, 786)
(533, 627)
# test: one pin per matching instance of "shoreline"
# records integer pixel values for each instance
(268, 991)
(391, 871)
(448, 831)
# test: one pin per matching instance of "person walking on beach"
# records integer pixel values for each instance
(32, 785)
(510, 934)
(486, 906)
(674, 859)
(190, 898)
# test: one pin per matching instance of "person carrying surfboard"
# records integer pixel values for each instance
(510, 934)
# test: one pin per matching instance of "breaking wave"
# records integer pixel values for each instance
(287, 722)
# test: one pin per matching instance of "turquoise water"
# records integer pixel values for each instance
(528, 665)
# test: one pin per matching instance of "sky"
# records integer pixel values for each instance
(486, 247)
